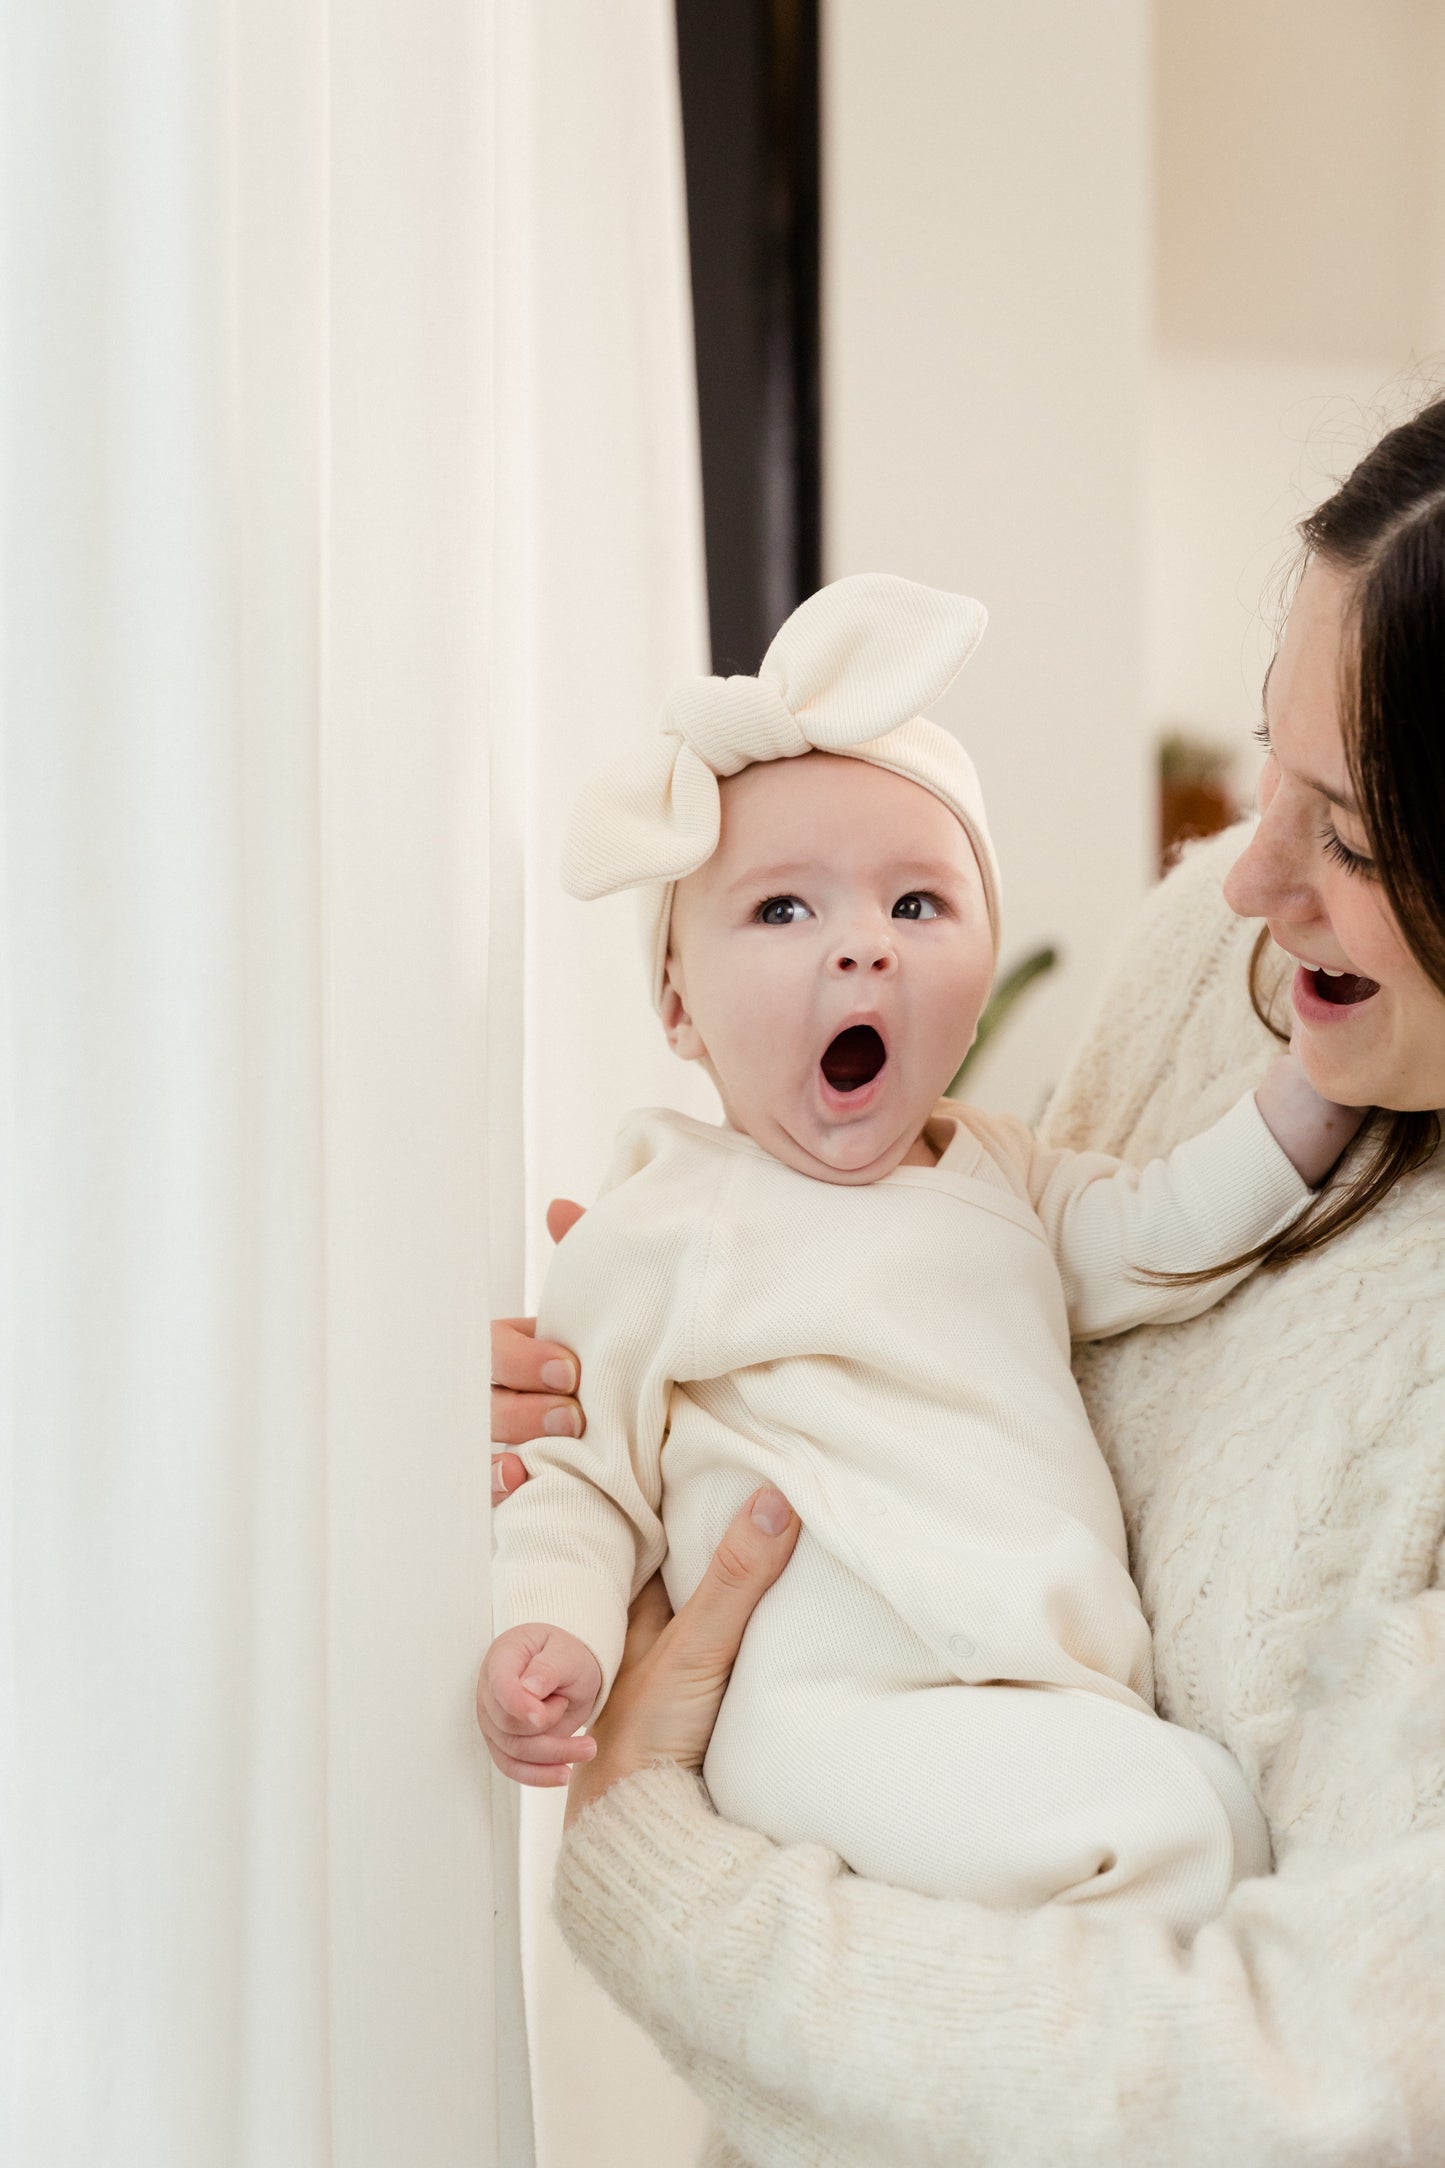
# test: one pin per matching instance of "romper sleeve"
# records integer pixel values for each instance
(1215, 1195)
(825, 2018)
(579, 1539)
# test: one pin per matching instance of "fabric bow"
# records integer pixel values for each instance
(855, 661)
(848, 673)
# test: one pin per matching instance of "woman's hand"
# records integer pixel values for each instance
(674, 1671)
(534, 1382)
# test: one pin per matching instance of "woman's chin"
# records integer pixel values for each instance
(1331, 1076)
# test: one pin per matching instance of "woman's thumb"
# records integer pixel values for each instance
(753, 1552)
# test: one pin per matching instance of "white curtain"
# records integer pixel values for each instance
(607, 571)
(348, 504)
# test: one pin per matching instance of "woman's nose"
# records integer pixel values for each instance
(1271, 876)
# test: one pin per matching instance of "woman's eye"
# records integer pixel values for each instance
(916, 905)
(1260, 733)
(1352, 861)
(782, 911)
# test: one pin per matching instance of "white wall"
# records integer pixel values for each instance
(986, 354)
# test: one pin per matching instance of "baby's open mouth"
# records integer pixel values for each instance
(854, 1058)
(1342, 988)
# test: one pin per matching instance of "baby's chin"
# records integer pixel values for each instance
(850, 1154)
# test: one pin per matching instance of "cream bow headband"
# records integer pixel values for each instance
(847, 673)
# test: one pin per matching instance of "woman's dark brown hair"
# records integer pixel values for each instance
(1384, 528)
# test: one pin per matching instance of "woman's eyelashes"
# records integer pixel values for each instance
(790, 910)
(1352, 861)
(1335, 846)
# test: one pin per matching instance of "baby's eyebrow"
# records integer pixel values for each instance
(757, 876)
(924, 869)
(906, 871)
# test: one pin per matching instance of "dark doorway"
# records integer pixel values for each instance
(749, 79)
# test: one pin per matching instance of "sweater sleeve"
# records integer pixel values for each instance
(1219, 1193)
(824, 2018)
(579, 1539)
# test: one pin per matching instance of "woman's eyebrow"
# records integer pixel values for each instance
(1346, 805)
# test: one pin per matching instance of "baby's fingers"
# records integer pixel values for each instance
(512, 1707)
(541, 1761)
(548, 1679)
(552, 1747)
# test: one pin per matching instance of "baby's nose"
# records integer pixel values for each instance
(875, 956)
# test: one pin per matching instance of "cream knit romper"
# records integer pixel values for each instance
(950, 1685)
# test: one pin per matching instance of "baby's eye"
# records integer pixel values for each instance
(916, 905)
(781, 911)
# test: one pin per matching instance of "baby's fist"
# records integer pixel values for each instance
(536, 1685)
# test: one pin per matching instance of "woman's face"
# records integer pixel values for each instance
(1375, 1035)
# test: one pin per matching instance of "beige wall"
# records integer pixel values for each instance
(1300, 153)
(986, 351)
(1240, 448)
(1300, 276)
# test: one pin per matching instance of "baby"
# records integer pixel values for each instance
(864, 1295)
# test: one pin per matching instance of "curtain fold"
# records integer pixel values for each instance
(245, 1862)
(349, 505)
(607, 574)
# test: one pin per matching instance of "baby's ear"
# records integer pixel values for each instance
(683, 1035)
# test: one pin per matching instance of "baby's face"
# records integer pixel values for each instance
(830, 961)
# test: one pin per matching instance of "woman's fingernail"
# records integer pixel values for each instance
(559, 1377)
(771, 1512)
(561, 1423)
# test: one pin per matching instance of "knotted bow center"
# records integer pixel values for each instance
(731, 722)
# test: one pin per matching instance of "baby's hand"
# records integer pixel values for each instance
(1310, 1129)
(536, 1685)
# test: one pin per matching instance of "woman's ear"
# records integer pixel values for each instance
(683, 1035)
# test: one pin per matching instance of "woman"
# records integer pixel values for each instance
(1281, 1462)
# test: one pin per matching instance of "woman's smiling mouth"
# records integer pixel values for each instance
(1322, 996)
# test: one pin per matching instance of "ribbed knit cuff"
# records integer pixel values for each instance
(1244, 1178)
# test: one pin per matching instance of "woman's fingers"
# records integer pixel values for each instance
(517, 1418)
(532, 1386)
(674, 1672)
(524, 1364)
(708, 1630)
(508, 1474)
(534, 1382)
(562, 1217)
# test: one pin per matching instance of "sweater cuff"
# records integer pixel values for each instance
(628, 1867)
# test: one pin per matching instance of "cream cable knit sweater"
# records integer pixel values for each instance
(1281, 1464)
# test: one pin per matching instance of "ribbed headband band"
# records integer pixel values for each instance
(847, 673)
